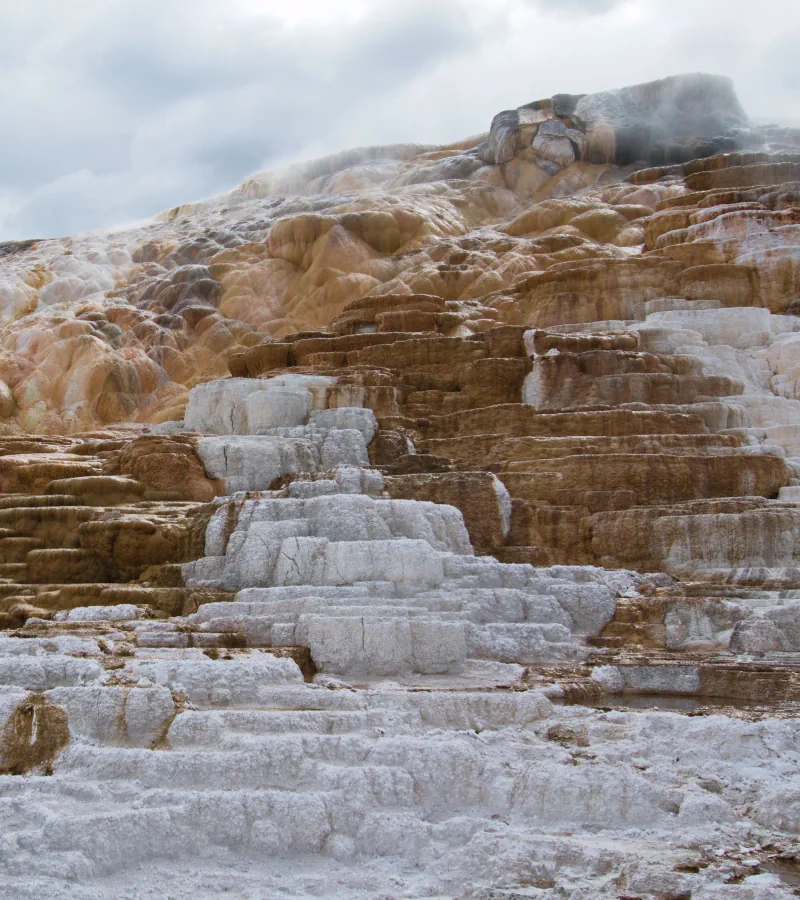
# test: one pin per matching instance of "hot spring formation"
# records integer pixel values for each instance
(416, 522)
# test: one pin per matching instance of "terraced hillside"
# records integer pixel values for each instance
(417, 522)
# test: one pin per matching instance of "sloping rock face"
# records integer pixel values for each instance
(106, 328)
(371, 531)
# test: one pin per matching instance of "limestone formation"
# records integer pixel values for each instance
(371, 531)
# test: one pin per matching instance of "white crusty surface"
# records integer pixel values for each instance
(258, 785)
(410, 769)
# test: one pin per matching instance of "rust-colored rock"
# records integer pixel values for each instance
(33, 737)
(476, 494)
(168, 465)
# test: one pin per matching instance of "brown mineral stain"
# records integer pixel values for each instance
(33, 737)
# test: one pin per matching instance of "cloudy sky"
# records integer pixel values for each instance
(113, 110)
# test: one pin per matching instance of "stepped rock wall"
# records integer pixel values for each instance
(347, 519)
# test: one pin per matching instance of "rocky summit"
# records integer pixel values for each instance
(416, 522)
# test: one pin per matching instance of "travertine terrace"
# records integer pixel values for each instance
(417, 522)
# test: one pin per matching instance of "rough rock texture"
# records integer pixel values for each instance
(370, 531)
(99, 329)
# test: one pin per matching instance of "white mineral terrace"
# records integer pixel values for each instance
(295, 682)
(414, 764)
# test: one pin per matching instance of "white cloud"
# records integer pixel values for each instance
(575, 7)
(115, 109)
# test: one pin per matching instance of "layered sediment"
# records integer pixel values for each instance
(378, 524)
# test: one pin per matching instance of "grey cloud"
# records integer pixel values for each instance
(153, 53)
(391, 47)
(153, 89)
(89, 200)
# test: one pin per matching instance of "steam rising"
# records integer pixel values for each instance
(118, 110)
